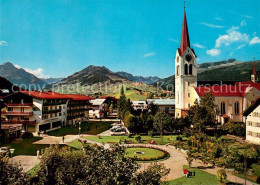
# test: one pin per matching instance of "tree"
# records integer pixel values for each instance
(11, 173)
(189, 157)
(124, 105)
(161, 119)
(152, 108)
(94, 165)
(221, 176)
(151, 176)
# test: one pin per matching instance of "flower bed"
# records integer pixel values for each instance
(151, 153)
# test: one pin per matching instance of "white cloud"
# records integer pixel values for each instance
(233, 35)
(213, 52)
(242, 15)
(219, 19)
(149, 54)
(197, 45)
(39, 72)
(255, 40)
(241, 46)
(3, 43)
(243, 23)
(211, 25)
(173, 40)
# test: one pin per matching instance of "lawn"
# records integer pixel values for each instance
(26, 147)
(148, 153)
(251, 176)
(89, 127)
(75, 144)
(201, 177)
(145, 139)
(34, 170)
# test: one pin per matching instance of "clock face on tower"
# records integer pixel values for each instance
(188, 57)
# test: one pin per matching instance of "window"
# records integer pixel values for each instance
(186, 69)
(223, 108)
(178, 99)
(258, 135)
(178, 70)
(249, 123)
(236, 105)
(188, 94)
(22, 109)
(190, 69)
(250, 133)
(258, 124)
(188, 105)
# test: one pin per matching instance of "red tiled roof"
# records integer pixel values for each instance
(249, 84)
(45, 94)
(224, 90)
(78, 97)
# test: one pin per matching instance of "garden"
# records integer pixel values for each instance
(146, 154)
(135, 139)
(88, 127)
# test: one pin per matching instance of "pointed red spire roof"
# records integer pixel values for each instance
(185, 40)
(254, 70)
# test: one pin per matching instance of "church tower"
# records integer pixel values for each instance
(253, 76)
(185, 73)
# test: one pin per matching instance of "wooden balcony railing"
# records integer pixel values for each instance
(19, 104)
(17, 113)
(11, 121)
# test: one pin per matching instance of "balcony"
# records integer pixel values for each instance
(11, 121)
(19, 104)
(12, 113)
(51, 111)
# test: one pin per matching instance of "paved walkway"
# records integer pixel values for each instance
(26, 161)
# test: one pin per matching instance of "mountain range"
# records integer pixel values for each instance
(226, 70)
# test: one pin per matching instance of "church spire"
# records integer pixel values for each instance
(254, 70)
(185, 40)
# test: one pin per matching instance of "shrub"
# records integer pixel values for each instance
(258, 180)
(221, 176)
(150, 133)
(138, 138)
(179, 138)
(27, 135)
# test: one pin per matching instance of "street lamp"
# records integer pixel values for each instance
(12, 152)
(79, 128)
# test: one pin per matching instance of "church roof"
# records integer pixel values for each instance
(185, 40)
(224, 90)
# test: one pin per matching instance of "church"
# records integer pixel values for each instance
(230, 100)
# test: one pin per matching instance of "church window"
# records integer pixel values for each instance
(190, 69)
(188, 94)
(186, 69)
(188, 105)
(178, 70)
(178, 97)
(223, 108)
(236, 105)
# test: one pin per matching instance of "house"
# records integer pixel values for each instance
(44, 111)
(252, 122)
(230, 100)
(103, 107)
(163, 104)
(78, 108)
(139, 105)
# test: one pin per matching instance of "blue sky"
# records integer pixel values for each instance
(59, 37)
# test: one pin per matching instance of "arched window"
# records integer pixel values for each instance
(190, 69)
(223, 108)
(178, 70)
(236, 107)
(186, 69)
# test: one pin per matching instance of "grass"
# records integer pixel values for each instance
(148, 153)
(26, 147)
(201, 177)
(89, 127)
(145, 139)
(250, 176)
(75, 144)
(34, 170)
